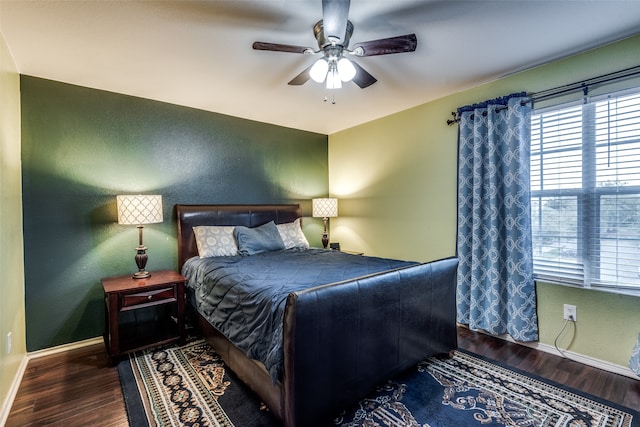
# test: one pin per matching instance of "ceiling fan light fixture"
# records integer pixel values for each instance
(333, 79)
(346, 70)
(318, 71)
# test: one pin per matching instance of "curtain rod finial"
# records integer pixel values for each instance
(455, 119)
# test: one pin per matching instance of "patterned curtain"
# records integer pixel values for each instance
(496, 291)
(634, 363)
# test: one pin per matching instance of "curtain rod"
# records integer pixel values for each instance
(572, 87)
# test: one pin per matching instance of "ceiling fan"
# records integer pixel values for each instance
(333, 33)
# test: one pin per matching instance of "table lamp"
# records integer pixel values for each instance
(325, 208)
(139, 209)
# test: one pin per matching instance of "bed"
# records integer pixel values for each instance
(338, 339)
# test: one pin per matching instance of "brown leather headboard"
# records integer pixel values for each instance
(189, 216)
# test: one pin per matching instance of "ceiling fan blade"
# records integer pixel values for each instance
(362, 77)
(276, 47)
(399, 44)
(301, 78)
(335, 14)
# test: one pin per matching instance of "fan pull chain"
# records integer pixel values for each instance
(333, 100)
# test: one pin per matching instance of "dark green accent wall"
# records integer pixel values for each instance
(81, 147)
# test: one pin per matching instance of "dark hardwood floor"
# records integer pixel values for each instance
(78, 388)
(74, 388)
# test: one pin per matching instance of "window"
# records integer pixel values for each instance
(585, 192)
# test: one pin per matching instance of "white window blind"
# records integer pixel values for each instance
(585, 192)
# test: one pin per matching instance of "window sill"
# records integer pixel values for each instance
(610, 290)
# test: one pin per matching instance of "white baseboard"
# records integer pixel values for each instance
(15, 384)
(586, 360)
(64, 347)
(13, 391)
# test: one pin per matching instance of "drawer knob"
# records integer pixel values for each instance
(149, 297)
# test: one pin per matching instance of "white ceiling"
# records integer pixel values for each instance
(198, 53)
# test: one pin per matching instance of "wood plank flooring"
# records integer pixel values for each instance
(78, 388)
(74, 388)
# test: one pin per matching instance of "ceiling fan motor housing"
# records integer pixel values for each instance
(323, 41)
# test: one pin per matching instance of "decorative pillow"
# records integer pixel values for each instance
(292, 235)
(214, 240)
(258, 239)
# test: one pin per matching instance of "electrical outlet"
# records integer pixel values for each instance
(570, 312)
(9, 343)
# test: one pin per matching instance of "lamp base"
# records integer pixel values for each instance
(325, 235)
(141, 262)
(141, 275)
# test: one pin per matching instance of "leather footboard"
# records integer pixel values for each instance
(341, 340)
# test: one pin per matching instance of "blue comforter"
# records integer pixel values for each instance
(244, 296)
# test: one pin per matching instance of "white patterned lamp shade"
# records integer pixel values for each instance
(139, 209)
(325, 208)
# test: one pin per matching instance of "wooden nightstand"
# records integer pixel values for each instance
(143, 313)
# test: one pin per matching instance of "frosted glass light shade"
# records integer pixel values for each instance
(346, 70)
(325, 208)
(318, 71)
(139, 209)
(333, 79)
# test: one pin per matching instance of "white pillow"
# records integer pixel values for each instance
(214, 240)
(292, 235)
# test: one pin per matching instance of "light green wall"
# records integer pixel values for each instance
(12, 311)
(608, 324)
(396, 181)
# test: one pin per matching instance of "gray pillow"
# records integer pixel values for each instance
(258, 239)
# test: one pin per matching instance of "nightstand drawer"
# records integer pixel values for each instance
(148, 297)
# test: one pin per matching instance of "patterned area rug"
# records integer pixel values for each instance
(191, 386)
